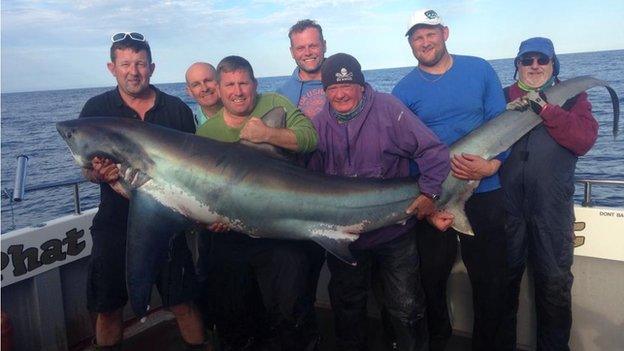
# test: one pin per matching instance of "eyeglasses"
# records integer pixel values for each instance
(542, 60)
(123, 35)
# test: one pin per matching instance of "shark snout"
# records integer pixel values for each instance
(69, 134)
(66, 131)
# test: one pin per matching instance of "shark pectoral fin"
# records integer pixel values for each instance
(151, 228)
(338, 247)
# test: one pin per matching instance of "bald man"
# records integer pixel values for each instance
(201, 85)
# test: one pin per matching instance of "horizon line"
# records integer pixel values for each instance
(260, 77)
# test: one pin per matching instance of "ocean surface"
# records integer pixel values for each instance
(28, 129)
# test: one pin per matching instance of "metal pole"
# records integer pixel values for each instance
(76, 199)
(587, 194)
(19, 188)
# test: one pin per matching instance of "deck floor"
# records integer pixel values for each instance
(164, 336)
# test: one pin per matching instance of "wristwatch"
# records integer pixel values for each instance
(433, 197)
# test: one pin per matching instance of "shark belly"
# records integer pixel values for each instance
(180, 201)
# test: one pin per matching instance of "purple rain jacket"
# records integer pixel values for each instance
(379, 143)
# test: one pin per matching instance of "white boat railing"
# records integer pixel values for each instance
(587, 188)
(17, 193)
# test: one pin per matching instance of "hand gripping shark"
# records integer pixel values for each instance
(174, 179)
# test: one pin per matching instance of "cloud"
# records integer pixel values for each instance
(58, 37)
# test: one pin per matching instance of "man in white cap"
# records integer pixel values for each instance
(453, 95)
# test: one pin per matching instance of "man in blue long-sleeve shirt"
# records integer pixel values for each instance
(453, 95)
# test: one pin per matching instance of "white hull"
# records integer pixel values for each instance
(597, 292)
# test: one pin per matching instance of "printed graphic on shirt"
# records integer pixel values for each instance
(312, 102)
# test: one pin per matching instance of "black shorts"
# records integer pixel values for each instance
(106, 279)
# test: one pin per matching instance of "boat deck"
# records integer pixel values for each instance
(162, 334)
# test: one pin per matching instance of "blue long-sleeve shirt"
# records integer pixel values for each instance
(308, 96)
(456, 102)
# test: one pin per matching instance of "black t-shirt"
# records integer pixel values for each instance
(168, 111)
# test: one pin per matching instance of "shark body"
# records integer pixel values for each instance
(174, 179)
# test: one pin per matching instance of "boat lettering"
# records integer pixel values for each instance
(30, 258)
(611, 214)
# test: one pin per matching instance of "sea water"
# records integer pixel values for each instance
(28, 128)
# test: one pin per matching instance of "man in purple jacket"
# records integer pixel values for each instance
(364, 133)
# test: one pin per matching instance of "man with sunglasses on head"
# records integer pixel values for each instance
(134, 97)
(538, 178)
(453, 95)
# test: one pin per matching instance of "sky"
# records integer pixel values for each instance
(48, 45)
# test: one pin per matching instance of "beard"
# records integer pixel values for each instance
(438, 55)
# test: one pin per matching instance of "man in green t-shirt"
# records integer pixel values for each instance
(279, 266)
(239, 119)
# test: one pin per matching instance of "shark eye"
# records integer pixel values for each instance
(69, 133)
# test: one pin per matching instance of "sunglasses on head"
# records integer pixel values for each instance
(541, 60)
(123, 35)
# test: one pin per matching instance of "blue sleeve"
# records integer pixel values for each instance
(494, 98)
(494, 101)
(290, 91)
(280, 90)
(397, 92)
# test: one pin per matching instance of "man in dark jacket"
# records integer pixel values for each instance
(131, 65)
(538, 179)
(363, 133)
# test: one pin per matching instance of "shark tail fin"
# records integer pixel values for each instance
(151, 230)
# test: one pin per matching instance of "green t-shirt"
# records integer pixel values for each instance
(215, 127)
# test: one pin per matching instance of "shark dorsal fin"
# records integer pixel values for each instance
(275, 118)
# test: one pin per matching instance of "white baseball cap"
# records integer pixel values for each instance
(423, 16)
